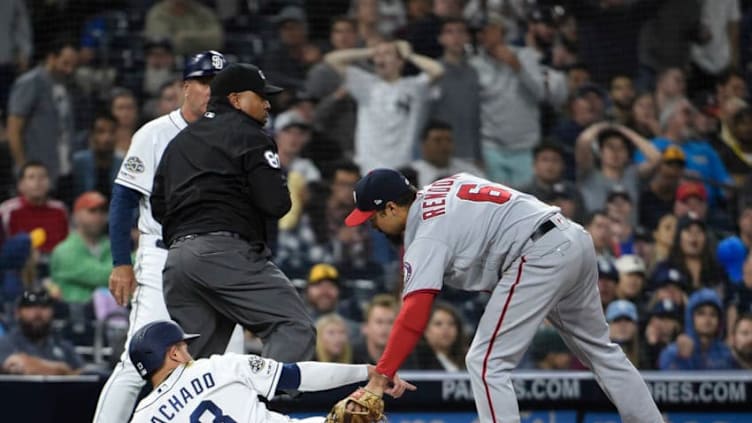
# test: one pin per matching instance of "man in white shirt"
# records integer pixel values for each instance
(436, 160)
(720, 18)
(225, 387)
(391, 108)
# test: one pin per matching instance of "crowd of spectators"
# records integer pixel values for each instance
(632, 116)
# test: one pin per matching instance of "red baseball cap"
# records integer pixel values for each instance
(373, 191)
(89, 200)
(691, 189)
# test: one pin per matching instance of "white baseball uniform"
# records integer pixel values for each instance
(119, 394)
(476, 235)
(225, 389)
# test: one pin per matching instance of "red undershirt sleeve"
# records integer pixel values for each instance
(407, 330)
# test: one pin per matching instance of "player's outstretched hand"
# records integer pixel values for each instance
(380, 384)
(399, 387)
(122, 283)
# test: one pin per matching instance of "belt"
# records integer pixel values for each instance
(160, 244)
(543, 229)
(214, 233)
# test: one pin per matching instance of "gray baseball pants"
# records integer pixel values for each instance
(212, 282)
(555, 277)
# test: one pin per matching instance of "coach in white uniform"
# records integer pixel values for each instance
(131, 190)
(223, 388)
(475, 235)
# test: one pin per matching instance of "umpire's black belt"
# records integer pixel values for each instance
(543, 229)
(214, 233)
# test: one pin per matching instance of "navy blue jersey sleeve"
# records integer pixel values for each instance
(290, 377)
(122, 206)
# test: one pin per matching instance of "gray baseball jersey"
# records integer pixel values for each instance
(451, 236)
(477, 235)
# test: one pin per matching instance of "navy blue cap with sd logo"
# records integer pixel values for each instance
(150, 343)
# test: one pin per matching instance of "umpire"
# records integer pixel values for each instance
(218, 184)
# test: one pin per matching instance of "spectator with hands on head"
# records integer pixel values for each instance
(390, 107)
(614, 143)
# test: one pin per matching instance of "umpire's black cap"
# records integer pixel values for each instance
(241, 77)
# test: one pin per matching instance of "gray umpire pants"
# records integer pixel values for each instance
(212, 282)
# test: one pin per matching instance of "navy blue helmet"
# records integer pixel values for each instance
(206, 63)
(149, 345)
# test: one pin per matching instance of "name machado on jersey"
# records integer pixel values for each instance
(181, 400)
(223, 387)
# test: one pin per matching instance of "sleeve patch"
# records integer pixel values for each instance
(256, 363)
(134, 164)
(408, 271)
(272, 158)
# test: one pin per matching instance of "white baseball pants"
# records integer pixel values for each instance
(118, 397)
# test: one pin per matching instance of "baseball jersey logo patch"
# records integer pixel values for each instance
(257, 363)
(134, 164)
(407, 270)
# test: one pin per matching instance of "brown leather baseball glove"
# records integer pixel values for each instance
(359, 407)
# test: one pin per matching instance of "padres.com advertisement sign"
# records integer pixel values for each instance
(575, 397)
(722, 390)
(545, 397)
(565, 397)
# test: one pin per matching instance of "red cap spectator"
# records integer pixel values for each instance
(687, 190)
(89, 200)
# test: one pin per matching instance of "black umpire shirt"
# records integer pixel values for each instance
(221, 173)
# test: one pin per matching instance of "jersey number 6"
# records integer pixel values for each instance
(486, 193)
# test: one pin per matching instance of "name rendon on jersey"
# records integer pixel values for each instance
(434, 200)
(197, 386)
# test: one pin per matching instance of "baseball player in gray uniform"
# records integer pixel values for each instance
(477, 235)
(131, 190)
